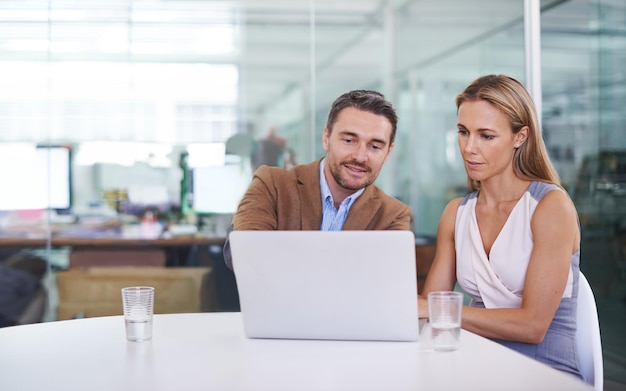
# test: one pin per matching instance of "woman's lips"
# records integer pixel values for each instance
(472, 164)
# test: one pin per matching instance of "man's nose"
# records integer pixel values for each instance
(360, 153)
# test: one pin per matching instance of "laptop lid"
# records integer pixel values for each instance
(342, 285)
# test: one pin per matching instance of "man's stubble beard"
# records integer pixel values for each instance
(336, 173)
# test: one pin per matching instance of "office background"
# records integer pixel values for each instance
(145, 93)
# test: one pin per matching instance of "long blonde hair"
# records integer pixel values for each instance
(531, 160)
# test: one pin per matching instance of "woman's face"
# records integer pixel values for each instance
(486, 140)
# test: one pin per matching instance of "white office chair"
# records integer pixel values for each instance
(588, 336)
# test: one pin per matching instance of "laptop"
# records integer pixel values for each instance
(334, 285)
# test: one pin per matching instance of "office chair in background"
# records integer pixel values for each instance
(23, 298)
(588, 336)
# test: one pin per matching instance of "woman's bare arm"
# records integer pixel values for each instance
(442, 273)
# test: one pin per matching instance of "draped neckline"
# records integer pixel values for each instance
(502, 229)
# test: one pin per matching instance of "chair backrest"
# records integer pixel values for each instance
(36, 309)
(588, 336)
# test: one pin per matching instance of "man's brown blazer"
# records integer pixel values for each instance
(279, 199)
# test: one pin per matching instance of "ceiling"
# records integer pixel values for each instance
(315, 49)
(352, 46)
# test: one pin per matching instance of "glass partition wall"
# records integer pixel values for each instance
(167, 107)
(583, 57)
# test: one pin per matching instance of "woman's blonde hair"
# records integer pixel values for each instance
(508, 95)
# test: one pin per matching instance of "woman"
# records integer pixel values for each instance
(513, 244)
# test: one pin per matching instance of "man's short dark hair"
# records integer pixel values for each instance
(365, 100)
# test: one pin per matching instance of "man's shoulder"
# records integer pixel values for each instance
(307, 169)
(297, 171)
(387, 200)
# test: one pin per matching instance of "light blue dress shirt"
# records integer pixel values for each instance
(333, 219)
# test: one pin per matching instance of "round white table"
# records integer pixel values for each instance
(209, 351)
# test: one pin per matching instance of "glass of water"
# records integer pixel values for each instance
(138, 302)
(444, 312)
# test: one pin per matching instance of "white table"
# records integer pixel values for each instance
(209, 351)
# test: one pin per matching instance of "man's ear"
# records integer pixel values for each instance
(325, 138)
(389, 152)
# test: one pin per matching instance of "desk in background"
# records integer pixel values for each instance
(97, 266)
(210, 352)
(112, 248)
(177, 249)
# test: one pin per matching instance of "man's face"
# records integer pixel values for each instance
(356, 149)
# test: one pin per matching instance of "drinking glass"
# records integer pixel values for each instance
(138, 302)
(444, 311)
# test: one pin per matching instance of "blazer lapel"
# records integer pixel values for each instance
(310, 197)
(363, 210)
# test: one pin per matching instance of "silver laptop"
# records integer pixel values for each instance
(340, 285)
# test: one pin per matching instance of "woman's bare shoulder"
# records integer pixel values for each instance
(448, 216)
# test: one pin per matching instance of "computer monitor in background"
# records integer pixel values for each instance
(35, 178)
(218, 189)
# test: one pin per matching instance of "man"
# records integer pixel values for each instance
(335, 192)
